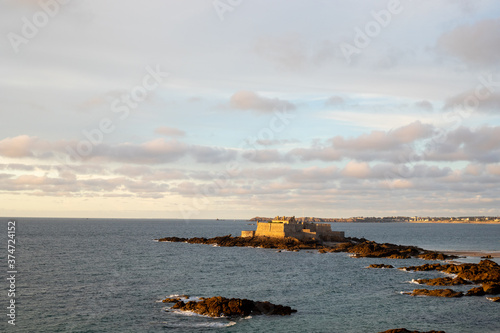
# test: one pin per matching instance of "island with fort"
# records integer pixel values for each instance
(291, 234)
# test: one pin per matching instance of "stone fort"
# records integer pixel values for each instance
(282, 226)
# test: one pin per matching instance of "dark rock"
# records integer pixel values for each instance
(478, 291)
(436, 293)
(484, 272)
(404, 330)
(380, 266)
(487, 257)
(491, 288)
(174, 299)
(232, 307)
(423, 268)
(431, 255)
(493, 299)
(446, 281)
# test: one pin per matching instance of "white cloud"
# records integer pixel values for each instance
(249, 100)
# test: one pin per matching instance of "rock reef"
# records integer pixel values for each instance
(436, 292)
(380, 266)
(486, 273)
(445, 281)
(404, 330)
(231, 307)
(360, 247)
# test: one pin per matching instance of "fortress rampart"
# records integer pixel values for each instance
(288, 227)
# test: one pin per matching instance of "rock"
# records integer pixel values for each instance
(232, 307)
(432, 255)
(423, 268)
(174, 299)
(436, 293)
(487, 257)
(380, 266)
(493, 299)
(478, 291)
(385, 250)
(361, 247)
(404, 330)
(491, 288)
(446, 281)
(486, 271)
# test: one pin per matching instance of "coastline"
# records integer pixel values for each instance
(493, 254)
(454, 222)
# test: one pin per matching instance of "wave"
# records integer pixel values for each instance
(413, 281)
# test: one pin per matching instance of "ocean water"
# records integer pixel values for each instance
(108, 275)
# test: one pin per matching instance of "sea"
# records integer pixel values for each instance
(110, 275)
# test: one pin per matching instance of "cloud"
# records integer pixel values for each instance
(169, 131)
(465, 144)
(19, 146)
(489, 104)
(204, 154)
(385, 140)
(287, 52)
(475, 44)
(356, 170)
(334, 101)
(424, 105)
(249, 100)
(263, 156)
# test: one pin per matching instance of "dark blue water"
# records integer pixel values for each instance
(78, 275)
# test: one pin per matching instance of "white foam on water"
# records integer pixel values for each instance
(413, 281)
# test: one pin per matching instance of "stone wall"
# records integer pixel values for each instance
(247, 233)
(270, 229)
(306, 231)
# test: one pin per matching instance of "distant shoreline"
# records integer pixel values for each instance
(455, 222)
(493, 254)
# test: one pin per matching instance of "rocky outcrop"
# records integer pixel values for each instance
(446, 281)
(491, 288)
(232, 307)
(477, 291)
(431, 255)
(493, 299)
(380, 266)
(360, 247)
(404, 330)
(288, 243)
(486, 272)
(436, 293)
(175, 299)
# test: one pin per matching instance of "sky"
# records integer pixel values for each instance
(238, 108)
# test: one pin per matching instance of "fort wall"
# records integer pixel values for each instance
(301, 231)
